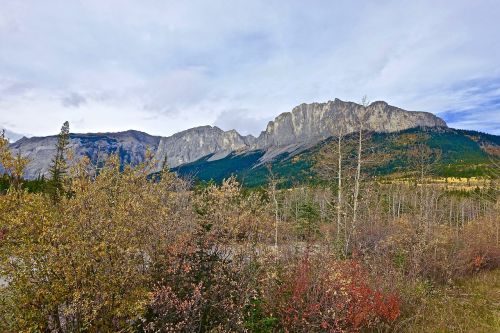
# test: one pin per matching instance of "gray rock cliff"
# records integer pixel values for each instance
(195, 143)
(309, 123)
(129, 145)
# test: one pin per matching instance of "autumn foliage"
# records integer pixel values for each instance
(318, 294)
(122, 251)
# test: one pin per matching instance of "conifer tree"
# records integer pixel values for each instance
(59, 166)
(164, 166)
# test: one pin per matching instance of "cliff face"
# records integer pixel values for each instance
(130, 146)
(195, 143)
(305, 125)
(310, 123)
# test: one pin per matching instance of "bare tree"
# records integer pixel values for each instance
(357, 177)
(339, 182)
(330, 165)
(361, 115)
(423, 161)
(273, 182)
(424, 158)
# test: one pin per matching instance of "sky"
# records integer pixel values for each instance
(165, 66)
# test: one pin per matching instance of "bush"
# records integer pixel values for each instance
(318, 294)
(199, 288)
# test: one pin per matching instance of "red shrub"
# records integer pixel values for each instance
(175, 313)
(319, 296)
(198, 289)
(3, 233)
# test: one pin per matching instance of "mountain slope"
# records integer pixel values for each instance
(462, 154)
(130, 146)
(195, 143)
(11, 136)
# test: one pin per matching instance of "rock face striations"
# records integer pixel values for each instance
(305, 125)
(183, 147)
(131, 146)
(195, 143)
(310, 123)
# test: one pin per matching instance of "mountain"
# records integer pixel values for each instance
(195, 143)
(11, 136)
(129, 145)
(290, 132)
(463, 154)
(317, 121)
(308, 124)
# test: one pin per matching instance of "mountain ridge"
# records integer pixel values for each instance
(462, 154)
(305, 125)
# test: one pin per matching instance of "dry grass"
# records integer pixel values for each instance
(449, 183)
(470, 305)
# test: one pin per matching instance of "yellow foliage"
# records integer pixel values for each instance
(88, 259)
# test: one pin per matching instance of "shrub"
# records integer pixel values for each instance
(200, 288)
(318, 295)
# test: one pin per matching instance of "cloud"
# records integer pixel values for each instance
(165, 66)
(240, 120)
(175, 90)
(73, 100)
(14, 88)
(11, 136)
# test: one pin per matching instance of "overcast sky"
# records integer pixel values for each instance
(165, 66)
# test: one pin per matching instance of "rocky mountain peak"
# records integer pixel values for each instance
(195, 143)
(313, 122)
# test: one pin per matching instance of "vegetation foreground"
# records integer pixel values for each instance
(112, 249)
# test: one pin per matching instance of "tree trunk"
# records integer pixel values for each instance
(357, 182)
(339, 189)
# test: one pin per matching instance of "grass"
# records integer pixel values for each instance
(470, 305)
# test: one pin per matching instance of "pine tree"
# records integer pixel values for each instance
(59, 166)
(164, 166)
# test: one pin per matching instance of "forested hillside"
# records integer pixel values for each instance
(453, 153)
